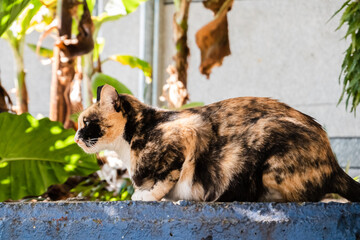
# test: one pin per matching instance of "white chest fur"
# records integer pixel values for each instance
(122, 148)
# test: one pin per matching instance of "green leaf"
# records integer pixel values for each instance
(100, 79)
(177, 4)
(339, 10)
(133, 62)
(43, 52)
(350, 73)
(35, 154)
(105, 17)
(192, 104)
(25, 21)
(91, 4)
(9, 11)
(116, 9)
(131, 5)
(98, 48)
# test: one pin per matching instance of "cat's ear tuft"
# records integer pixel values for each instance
(109, 97)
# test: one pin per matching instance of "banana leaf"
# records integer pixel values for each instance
(35, 154)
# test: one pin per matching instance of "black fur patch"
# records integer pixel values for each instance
(91, 133)
(98, 93)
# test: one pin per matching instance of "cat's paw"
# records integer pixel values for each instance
(143, 195)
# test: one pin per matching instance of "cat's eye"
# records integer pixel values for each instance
(86, 122)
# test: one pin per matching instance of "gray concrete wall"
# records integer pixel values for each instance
(284, 49)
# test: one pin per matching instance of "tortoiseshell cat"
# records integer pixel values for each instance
(241, 149)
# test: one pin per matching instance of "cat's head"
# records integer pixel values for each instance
(100, 125)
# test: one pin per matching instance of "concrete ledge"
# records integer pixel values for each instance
(182, 220)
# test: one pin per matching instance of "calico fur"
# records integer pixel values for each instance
(240, 149)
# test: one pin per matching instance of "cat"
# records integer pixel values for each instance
(240, 149)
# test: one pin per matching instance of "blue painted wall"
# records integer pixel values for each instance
(182, 220)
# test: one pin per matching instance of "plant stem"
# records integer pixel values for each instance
(87, 75)
(21, 90)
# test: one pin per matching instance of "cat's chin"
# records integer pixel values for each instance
(90, 150)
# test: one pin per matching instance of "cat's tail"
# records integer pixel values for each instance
(346, 186)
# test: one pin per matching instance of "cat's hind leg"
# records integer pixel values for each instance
(286, 180)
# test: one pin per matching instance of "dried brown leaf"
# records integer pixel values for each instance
(5, 106)
(214, 5)
(213, 39)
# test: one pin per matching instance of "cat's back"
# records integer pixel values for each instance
(252, 113)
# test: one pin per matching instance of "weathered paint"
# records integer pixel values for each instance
(181, 220)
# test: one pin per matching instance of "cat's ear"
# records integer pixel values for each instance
(109, 98)
(98, 93)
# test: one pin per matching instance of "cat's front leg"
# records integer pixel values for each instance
(159, 190)
(143, 195)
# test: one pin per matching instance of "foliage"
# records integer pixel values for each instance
(22, 23)
(43, 52)
(95, 189)
(116, 9)
(100, 79)
(9, 11)
(44, 153)
(350, 69)
(133, 62)
(15, 35)
(192, 104)
(35, 154)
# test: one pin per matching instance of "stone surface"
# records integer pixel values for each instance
(181, 220)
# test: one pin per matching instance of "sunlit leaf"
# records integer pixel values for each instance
(35, 154)
(91, 4)
(44, 52)
(100, 79)
(98, 48)
(9, 11)
(133, 62)
(131, 5)
(48, 2)
(25, 21)
(192, 104)
(116, 9)
(105, 17)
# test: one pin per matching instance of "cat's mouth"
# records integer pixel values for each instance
(86, 145)
(88, 148)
